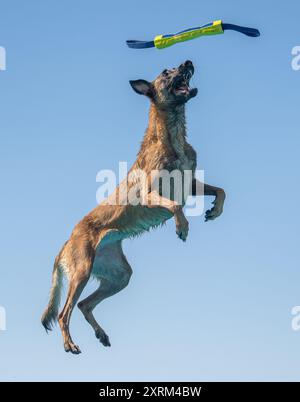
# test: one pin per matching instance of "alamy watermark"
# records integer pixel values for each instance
(296, 319)
(2, 319)
(296, 59)
(2, 58)
(138, 187)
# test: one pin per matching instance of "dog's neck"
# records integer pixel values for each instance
(168, 127)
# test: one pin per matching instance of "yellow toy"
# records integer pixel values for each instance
(214, 28)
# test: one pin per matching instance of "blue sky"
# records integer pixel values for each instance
(215, 308)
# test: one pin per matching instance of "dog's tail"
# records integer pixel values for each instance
(50, 314)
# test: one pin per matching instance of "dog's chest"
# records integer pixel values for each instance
(184, 163)
(185, 154)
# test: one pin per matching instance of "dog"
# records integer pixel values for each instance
(95, 246)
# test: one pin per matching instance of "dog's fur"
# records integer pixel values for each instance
(95, 245)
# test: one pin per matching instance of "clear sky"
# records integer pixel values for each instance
(217, 307)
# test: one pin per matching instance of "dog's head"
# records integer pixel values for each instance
(170, 88)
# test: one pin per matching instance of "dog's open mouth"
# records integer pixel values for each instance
(182, 87)
(182, 84)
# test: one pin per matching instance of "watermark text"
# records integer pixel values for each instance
(296, 319)
(2, 319)
(296, 58)
(2, 58)
(138, 187)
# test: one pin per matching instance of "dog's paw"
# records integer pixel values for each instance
(71, 347)
(103, 338)
(214, 212)
(182, 229)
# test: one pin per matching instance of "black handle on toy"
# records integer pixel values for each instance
(245, 30)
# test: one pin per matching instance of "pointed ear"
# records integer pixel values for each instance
(142, 87)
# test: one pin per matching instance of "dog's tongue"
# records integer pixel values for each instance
(183, 88)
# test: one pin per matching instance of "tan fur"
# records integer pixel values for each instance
(95, 245)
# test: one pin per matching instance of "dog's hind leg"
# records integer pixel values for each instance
(79, 272)
(105, 290)
(114, 271)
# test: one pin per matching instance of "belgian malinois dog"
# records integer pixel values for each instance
(95, 245)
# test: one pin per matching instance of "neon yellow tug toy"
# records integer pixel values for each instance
(214, 28)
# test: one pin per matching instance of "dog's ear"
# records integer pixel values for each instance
(143, 87)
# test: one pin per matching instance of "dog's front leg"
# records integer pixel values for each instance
(154, 200)
(199, 188)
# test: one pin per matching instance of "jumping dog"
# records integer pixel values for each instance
(95, 245)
